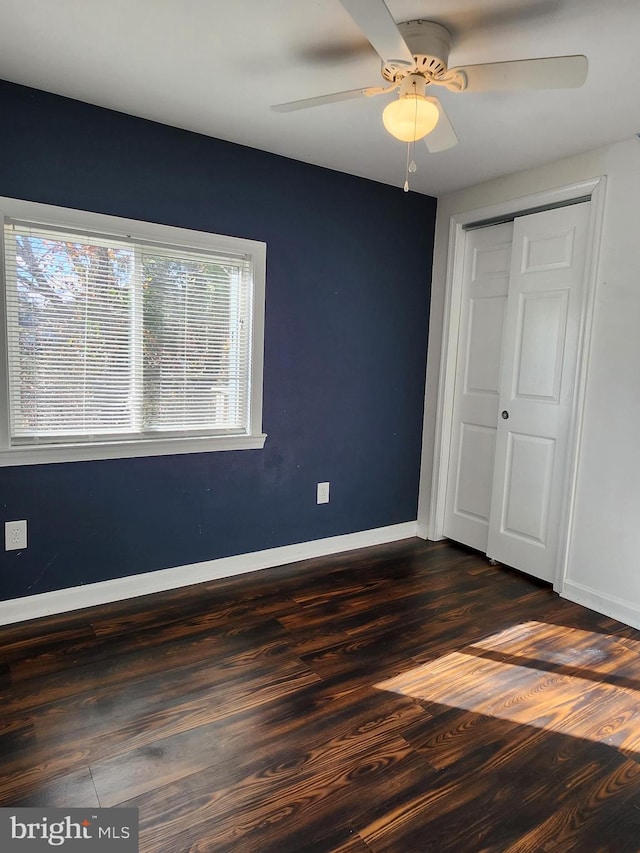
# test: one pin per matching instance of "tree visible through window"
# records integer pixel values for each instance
(70, 359)
(193, 339)
(115, 338)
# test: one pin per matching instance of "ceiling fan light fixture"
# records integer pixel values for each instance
(410, 118)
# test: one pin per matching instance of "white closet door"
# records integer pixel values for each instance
(537, 388)
(477, 397)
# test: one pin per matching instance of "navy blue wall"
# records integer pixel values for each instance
(348, 273)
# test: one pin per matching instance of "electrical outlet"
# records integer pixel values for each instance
(15, 535)
(322, 493)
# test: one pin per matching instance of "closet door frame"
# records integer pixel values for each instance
(592, 191)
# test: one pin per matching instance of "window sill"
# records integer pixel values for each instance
(44, 454)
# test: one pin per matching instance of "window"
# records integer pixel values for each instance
(124, 338)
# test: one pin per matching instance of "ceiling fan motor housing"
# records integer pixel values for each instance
(413, 84)
(429, 43)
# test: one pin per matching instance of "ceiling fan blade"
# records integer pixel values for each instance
(317, 102)
(377, 24)
(553, 72)
(443, 135)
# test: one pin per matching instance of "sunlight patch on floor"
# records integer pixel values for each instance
(580, 683)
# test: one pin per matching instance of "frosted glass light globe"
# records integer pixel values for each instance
(410, 117)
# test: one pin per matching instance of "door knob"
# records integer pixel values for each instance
(505, 415)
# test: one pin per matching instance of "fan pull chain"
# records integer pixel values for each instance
(411, 147)
(411, 166)
(406, 171)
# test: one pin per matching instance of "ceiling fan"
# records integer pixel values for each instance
(414, 58)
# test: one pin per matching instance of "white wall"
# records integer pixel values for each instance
(603, 567)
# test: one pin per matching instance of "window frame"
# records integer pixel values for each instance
(151, 233)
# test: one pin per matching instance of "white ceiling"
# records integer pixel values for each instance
(216, 66)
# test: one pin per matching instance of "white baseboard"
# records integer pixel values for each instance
(607, 604)
(120, 589)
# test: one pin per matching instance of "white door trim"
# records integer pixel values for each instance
(594, 190)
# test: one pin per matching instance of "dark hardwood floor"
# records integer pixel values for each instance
(408, 697)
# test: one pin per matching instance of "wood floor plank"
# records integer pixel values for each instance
(20, 643)
(75, 789)
(17, 734)
(142, 713)
(483, 804)
(252, 815)
(277, 736)
(404, 698)
(127, 662)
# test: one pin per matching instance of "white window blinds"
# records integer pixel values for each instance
(109, 338)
